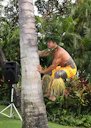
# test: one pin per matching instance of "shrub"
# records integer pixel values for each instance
(74, 107)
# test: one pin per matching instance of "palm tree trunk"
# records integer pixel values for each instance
(33, 107)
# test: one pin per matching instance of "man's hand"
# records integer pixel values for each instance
(40, 69)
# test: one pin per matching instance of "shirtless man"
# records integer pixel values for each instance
(62, 65)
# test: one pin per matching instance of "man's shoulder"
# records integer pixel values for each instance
(61, 48)
(59, 52)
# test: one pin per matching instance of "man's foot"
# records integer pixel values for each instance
(52, 98)
(46, 95)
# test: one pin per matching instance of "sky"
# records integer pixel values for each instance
(5, 2)
(35, 8)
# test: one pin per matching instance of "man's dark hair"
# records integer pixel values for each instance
(52, 37)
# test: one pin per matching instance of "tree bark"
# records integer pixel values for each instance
(33, 107)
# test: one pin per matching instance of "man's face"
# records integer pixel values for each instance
(50, 44)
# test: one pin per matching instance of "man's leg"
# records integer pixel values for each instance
(46, 81)
(58, 85)
(57, 88)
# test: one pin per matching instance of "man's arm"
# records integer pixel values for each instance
(55, 63)
(44, 53)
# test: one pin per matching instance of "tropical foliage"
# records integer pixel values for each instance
(74, 107)
(71, 22)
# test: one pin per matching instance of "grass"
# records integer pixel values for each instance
(53, 125)
(9, 123)
(5, 122)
